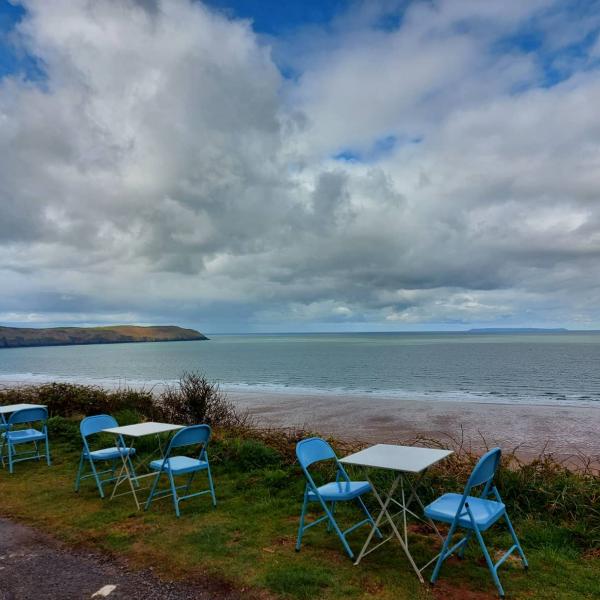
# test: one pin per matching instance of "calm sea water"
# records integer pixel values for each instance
(542, 368)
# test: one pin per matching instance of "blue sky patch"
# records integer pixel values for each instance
(14, 60)
(380, 148)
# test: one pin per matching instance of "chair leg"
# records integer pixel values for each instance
(333, 513)
(516, 541)
(442, 557)
(78, 476)
(369, 516)
(301, 526)
(10, 457)
(490, 564)
(152, 490)
(212, 487)
(461, 552)
(47, 444)
(96, 477)
(174, 492)
(336, 528)
(188, 485)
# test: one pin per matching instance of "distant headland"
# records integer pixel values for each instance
(14, 337)
(517, 330)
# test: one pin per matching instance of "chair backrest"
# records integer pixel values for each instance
(95, 424)
(313, 450)
(28, 415)
(485, 469)
(189, 436)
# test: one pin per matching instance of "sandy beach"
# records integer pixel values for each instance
(565, 431)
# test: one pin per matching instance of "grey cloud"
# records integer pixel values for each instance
(166, 171)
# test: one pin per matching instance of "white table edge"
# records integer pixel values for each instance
(119, 430)
(347, 460)
(23, 405)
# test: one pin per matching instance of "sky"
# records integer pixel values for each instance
(265, 166)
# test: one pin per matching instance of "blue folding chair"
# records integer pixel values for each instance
(314, 450)
(3, 425)
(13, 436)
(476, 514)
(173, 466)
(93, 425)
(3, 428)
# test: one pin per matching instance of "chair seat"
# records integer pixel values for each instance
(21, 436)
(179, 464)
(341, 490)
(109, 453)
(485, 512)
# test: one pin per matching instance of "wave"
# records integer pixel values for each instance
(542, 398)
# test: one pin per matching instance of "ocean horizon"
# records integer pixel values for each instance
(539, 367)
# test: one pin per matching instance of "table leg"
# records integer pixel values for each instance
(385, 512)
(404, 506)
(379, 518)
(415, 495)
(125, 473)
(121, 478)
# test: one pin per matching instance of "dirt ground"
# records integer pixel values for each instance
(34, 565)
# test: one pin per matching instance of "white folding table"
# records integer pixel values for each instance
(11, 408)
(404, 461)
(136, 431)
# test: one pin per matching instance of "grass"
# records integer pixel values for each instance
(247, 542)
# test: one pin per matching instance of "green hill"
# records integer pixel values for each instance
(12, 337)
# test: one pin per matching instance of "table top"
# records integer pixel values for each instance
(141, 429)
(11, 408)
(408, 459)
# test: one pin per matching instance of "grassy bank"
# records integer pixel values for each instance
(247, 542)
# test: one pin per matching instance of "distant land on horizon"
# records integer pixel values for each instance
(15, 337)
(518, 330)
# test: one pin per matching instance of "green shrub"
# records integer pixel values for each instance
(195, 399)
(69, 399)
(250, 455)
(276, 479)
(64, 430)
(127, 416)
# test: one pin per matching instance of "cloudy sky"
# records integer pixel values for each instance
(292, 166)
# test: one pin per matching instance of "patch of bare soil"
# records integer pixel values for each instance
(56, 572)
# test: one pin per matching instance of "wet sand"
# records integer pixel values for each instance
(562, 430)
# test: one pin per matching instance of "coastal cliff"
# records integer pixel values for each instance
(13, 337)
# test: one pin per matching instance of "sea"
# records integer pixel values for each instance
(525, 368)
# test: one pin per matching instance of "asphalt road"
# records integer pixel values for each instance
(35, 566)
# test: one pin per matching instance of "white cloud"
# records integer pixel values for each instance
(165, 170)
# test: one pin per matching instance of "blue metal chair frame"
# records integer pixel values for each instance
(476, 514)
(13, 436)
(174, 466)
(3, 428)
(310, 451)
(91, 426)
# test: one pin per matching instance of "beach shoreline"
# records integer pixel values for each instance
(529, 429)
